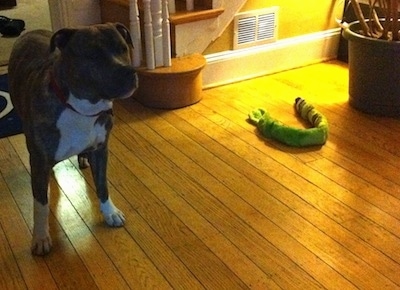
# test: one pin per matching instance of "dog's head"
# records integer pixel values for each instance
(95, 61)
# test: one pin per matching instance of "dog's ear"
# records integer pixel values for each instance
(60, 38)
(124, 32)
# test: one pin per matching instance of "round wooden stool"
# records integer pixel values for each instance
(177, 86)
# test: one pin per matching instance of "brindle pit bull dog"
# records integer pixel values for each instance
(63, 87)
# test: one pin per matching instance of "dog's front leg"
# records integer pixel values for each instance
(98, 163)
(40, 175)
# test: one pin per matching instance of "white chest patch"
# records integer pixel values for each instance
(84, 107)
(78, 133)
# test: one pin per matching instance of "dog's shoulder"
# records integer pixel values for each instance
(35, 40)
(32, 48)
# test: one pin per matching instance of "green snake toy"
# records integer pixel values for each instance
(274, 129)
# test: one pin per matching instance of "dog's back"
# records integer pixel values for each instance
(30, 57)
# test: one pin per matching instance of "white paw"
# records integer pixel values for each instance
(112, 215)
(41, 241)
(41, 245)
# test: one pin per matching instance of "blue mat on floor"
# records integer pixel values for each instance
(10, 123)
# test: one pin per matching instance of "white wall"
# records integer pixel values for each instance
(195, 37)
(74, 13)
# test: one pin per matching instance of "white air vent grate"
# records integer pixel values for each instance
(255, 27)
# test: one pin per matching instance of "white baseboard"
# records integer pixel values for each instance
(237, 65)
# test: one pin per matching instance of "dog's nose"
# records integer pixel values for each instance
(126, 82)
(127, 72)
(124, 69)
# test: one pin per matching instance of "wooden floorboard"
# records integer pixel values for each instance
(211, 204)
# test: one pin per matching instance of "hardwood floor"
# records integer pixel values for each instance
(211, 204)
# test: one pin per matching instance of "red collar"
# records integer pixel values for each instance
(61, 96)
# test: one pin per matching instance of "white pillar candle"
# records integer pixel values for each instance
(148, 33)
(171, 6)
(189, 5)
(135, 33)
(157, 31)
(166, 34)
